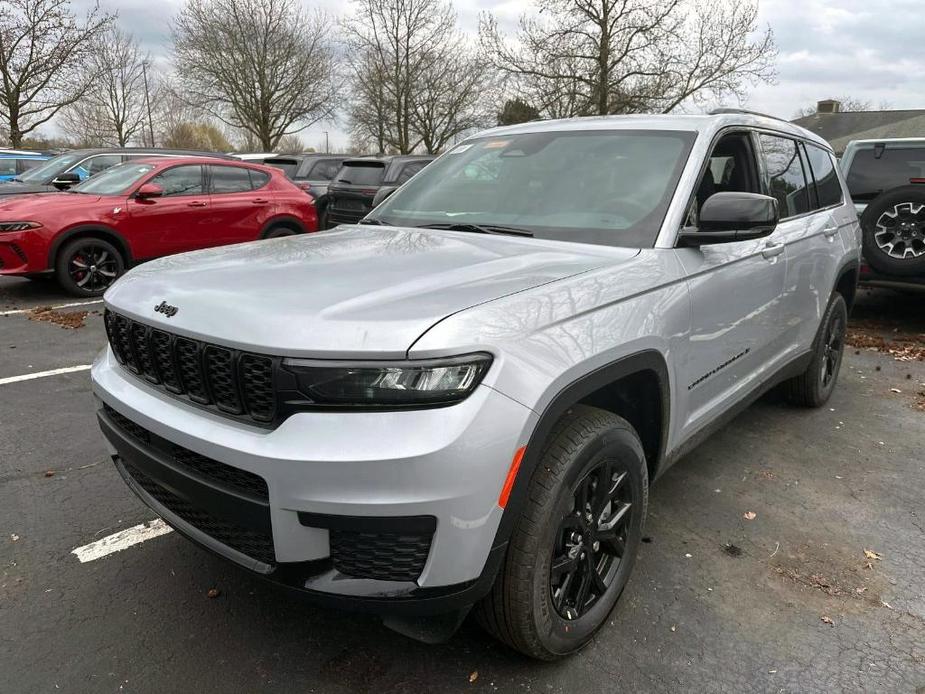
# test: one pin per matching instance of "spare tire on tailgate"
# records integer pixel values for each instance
(894, 231)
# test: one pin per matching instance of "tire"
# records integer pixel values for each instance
(532, 608)
(278, 232)
(894, 231)
(814, 386)
(88, 266)
(323, 218)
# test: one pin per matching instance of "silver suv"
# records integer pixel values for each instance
(462, 401)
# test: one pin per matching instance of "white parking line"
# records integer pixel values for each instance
(43, 374)
(29, 310)
(121, 540)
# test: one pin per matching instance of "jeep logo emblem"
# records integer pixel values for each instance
(166, 309)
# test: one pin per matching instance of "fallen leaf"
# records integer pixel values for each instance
(213, 593)
(827, 620)
(860, 590)
(49, 473)
(14, 537)
(688, 555)
(473, 676)
(673, 627)
(749, 515)
(895, 390)
(870, 554)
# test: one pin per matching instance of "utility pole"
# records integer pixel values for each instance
(327, 148)
(144, 72)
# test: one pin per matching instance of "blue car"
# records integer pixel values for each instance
(12, 164)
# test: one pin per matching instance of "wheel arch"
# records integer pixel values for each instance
(283, 220)
(90, 231)
(635, 387)
(846, 283)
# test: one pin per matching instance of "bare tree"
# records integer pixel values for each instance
(415, 81)
(259, 65)
(44, 49)
(291, 144)
(598, 57)
(196, 135)
(112, 110)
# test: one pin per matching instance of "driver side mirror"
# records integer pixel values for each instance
(66, 180)
(148, 191)
(728, 217)
(382, 194)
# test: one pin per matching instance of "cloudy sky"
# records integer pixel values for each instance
(869, 49)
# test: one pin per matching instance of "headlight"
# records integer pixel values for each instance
(18, 226)
(388, 384)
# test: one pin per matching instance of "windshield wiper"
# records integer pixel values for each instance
(479, 228)
(374, 222)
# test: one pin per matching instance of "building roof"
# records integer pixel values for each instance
(841, 127)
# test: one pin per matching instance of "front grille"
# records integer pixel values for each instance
(209, 470)
(249, 542)
(226, 380)
(381, 556)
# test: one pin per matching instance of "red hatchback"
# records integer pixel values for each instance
(140, 210)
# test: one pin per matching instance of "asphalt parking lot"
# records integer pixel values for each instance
(822, 590)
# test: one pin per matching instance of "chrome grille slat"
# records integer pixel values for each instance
(234, 383)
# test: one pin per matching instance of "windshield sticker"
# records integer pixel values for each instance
(497, 144)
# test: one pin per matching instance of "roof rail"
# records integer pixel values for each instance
(743, 111)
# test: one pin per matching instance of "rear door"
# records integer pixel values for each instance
(7, 168)
(352, 191)
(180, 220)
(241, 203)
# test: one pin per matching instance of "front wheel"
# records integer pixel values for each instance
(88, 266)
(575, 543)
(814, 386)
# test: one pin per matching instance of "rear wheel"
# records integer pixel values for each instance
(894, 231)
(88, 266)
(813, 387)
(278, 232)
(576, 541)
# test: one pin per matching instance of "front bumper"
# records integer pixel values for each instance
(386, 511)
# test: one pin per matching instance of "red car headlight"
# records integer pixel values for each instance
(18, 226)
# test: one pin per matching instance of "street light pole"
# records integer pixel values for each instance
(327, 147)
(144, 73)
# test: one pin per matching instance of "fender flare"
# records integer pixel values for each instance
(88, 229)
(646, 360)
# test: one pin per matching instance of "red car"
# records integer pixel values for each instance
(144, 209)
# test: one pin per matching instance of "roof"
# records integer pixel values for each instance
(842, 127)
(172, 160)
(23, 155)
(147, 150)
(307, 155)
(708, 124)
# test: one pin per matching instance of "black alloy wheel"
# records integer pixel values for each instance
(833, 349)
(591, 541)
(88, 266)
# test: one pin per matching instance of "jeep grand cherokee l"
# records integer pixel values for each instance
(463, 400)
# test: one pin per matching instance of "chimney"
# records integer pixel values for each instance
(828, 106)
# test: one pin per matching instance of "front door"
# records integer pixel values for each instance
(179, 220)
(736, 297)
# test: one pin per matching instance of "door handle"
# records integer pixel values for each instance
(830, 231)
(196, 203)
(260, 201)
(772, 249)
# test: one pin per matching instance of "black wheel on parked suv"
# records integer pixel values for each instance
(279, 232)
(575, 543)
(813, 387)
(894, 231)
(88, 266)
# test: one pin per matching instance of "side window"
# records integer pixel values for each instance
(26, 164)
(180, 180)
(7, 167)
(409, 170)
(230, 179)
(94, 165)
(828, 188)
(784, 174)
(324, 170)
(731, 169)
(258, 178)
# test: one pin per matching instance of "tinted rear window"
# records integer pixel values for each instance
(870, 175)
(230, 179)
(361, 174)
(287, 166)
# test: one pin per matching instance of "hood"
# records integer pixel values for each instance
(17, 188)
(355, 291)
(42, 204)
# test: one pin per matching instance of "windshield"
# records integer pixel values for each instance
(609, 187)
(115, 180)
(51, 168)
(361, 173)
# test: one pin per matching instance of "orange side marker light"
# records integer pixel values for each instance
(511, 476)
